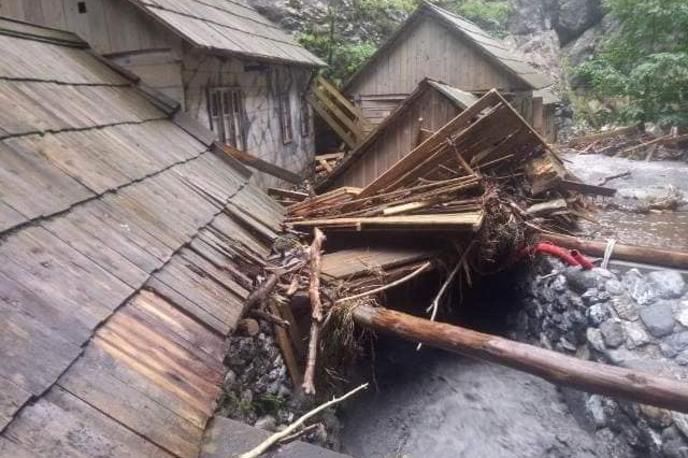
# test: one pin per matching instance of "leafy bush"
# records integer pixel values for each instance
(644, 66)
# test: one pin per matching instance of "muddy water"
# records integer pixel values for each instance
(647, 180)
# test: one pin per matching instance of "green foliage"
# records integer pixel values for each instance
(354, 29)
(644, 66)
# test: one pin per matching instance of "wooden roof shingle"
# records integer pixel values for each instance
(228, 26)
(122, 266)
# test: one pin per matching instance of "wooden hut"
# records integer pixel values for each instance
(438, 44)
(229, 67)
(128, 251)
(425, 111)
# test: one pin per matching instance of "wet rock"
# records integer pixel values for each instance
(598, 313)
(595, 410)
(267, 422)
(639, 288)
(614, 287)
(674, 344)
(580, 280)
(681, 313)
(625, 308)
(658, 319)
(612, 333)
(668, 283)
(595, 339)
(248, 327)
(660, 418)
(635, 335)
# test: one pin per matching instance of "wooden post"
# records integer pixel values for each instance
(555, 367)
(631, 253)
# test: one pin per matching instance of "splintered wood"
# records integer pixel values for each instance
(442, 185)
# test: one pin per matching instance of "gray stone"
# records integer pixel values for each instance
(580, 280)
(614, 287)
(595, 339)
(625, 308)
(658, 318)
(669, 283)
(575, 17)
(612, 333)
(639, 288)
(674, 344)
(681, 422)
(660, 418)
(559, 284)
(267, 423)
(598, 313)
(681, 312)
(595, 410)
(635, 335)
(230, 380)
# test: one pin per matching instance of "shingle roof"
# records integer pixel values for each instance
(492, 48)
(229, 26)
(127, 250)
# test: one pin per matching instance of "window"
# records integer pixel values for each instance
(305, 118)
(81, 7)
(285, 118)
(226, 107)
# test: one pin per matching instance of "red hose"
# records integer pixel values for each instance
(548, 248)
(582, 260)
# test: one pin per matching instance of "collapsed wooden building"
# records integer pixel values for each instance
(435, 43)
(229, 67)
(129, 244)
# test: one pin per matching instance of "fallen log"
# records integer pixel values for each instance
(631, 253)
(555, 367)
(317, 312)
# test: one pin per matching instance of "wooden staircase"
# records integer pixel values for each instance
(340, 114)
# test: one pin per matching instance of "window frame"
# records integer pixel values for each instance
(226, 115)
(286, 125)
(306, 117)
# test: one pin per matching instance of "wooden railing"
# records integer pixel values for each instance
(340, 114)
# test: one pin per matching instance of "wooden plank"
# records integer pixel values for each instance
(468, 221)
(338, 114)
(587, 188)
(353, 262)
(61, 424)
(322, 111)
(261, 165)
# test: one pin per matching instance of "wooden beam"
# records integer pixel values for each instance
(557, 368)
(260, 164)
(348, 138)
(339, 115)
(631, 253)
(587, 188)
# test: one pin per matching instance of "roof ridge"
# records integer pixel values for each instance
(26, 30)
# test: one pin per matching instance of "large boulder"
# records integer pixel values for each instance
(575, 17)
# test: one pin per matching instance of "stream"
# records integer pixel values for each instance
(435, 404)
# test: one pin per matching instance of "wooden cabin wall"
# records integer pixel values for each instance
(430, 49)
(109, 26)
(261, 85)
(376, 108)
(399, 138)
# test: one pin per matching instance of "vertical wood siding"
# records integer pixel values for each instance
(399, 138)
(431, 50)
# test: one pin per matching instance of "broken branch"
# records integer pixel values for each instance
(317, 312)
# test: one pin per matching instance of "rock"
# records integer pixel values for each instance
(681, 313)
(595, 339)
(639, 288)
(575, 16)
(681, 422)
(674, 344)
(658, 318)
(248, 327)
(612, 333)
(635, 335)
(559, 284)
(660, 418)
(668, 283)
(580, 280)
(595, 410)
(230, 380)
(598, 313)
(267, 423)
(675, 449)
(625, 308)
(614, 287)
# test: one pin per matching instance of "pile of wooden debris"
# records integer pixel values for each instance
(633, 142)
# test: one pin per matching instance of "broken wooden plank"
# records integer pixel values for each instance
(260, 165)
(585, 188)
(467, 221)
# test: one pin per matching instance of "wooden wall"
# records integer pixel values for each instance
(109, 26)
(399, 137)
(261, 85)
(430, 49)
